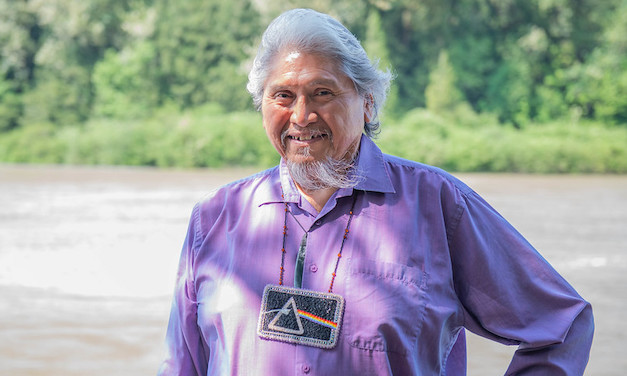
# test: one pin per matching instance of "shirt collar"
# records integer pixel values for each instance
(370, 167)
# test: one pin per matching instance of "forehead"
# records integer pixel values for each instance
(295, 68)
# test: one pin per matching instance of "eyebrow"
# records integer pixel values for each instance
(325, 82)
(322, 81)
(277, 88)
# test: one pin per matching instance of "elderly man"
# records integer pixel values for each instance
(346, 261)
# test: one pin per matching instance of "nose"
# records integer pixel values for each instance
(303, 112)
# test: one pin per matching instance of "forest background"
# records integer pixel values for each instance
(481, 85)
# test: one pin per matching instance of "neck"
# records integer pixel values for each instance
(317, 198)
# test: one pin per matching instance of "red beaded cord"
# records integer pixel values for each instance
(339, 255)
(283, 248)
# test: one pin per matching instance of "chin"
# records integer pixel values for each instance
(301, 158)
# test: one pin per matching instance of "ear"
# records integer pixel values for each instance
(368, 108)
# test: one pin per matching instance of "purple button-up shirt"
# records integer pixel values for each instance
(425, 258)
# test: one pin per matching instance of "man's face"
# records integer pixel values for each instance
(310, 109)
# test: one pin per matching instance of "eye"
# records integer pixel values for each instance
(282, 97)
(323, 92)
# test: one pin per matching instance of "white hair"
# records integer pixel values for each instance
(312, 32)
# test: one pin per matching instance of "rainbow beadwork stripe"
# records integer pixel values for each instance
(317, 319)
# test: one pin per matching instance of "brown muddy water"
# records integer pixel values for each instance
(88, 256)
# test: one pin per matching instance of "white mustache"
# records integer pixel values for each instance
(302, 135)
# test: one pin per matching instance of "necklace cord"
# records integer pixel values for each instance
(283, 248)
(339, 255)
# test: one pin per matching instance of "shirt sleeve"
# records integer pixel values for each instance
(186, 351)
(512, 295)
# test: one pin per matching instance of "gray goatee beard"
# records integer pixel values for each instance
(328, 173)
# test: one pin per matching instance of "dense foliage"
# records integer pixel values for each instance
(492, 85)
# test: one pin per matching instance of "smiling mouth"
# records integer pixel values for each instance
(304, 136)
(307, 137)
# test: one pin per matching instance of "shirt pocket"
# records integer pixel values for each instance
(385, 304)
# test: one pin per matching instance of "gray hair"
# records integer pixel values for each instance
(318, 33)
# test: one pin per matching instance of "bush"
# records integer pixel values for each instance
(208, 136)
(202, 137)
(455, 145)
(35, 143)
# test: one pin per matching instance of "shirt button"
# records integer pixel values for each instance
(313, 268)
(306, 368)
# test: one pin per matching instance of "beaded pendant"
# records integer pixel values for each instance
(300, 316)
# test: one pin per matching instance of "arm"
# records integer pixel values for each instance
(512, 295)
(187, 353)
(567, 357)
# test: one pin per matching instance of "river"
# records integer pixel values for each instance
(88, 257)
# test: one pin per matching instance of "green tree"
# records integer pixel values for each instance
(509, 91)
(441, 94)
(375, 44)
(20, 36)
(598, 87)
(125, 79)
(74, 36)
(201, 48)
(125, 84)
